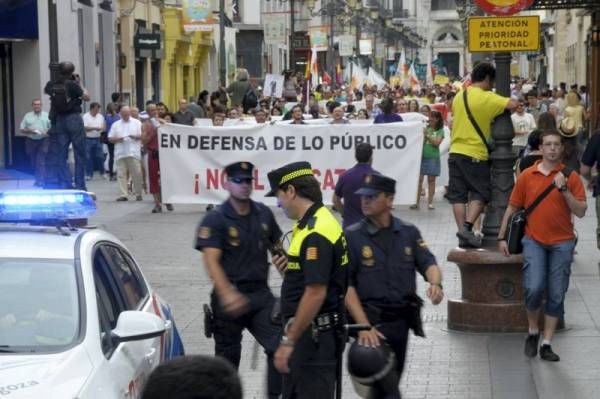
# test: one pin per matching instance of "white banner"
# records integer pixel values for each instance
(192, 159)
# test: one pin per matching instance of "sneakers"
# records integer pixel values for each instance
(531, 345)
(468, 239)
(139, 198)
(120, 199)
(157, 209)
(169, 207)
(546, 353)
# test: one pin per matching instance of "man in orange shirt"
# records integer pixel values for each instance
(549, 239)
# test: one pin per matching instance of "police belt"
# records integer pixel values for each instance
(322, 322)
(251, 286)
(409, 310)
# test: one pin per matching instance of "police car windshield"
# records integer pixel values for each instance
(38, 304)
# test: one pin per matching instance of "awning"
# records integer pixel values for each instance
(18, 19)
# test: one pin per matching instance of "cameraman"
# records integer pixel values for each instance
(66, 96)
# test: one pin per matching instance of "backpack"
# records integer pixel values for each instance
(59, 100)
(250, 99)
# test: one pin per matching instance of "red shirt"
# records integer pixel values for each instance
(550, 222)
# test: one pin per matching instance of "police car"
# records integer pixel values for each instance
(77, 317)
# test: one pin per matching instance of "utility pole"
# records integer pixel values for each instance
(292, 36)
(330, 57)
(222, 56)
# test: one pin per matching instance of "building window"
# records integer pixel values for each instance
(570, 58)
(438, 5)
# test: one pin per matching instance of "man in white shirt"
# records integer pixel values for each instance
(94, 125)
(126, 135)
(523, 124)
(35, 125)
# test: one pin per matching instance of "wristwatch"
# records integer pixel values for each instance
(285, 341)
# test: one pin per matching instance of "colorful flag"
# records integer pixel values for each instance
(429, 75)
(339, 79)
(402, 69)
(413, 79)
(314, 68)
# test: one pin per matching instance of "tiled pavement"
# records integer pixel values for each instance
(444, 365)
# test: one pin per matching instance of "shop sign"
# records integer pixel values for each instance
(491, 34)
(346, 45)
(196, 15)
(365, 46)
(147, 41)
(318, 38)
(275, 27)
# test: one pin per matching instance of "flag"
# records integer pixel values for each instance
(358, 76)
(413, 79)
(376, 79)
(339, 79)
(402, 69)
(307, 69)
(326, 78)
(314, 68)
(429, 76)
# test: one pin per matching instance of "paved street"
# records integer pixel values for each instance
(444, 365)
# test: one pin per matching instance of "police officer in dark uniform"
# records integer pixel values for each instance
(314, 286)
(385, 253)
(234, 239)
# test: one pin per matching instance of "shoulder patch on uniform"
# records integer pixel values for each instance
(204, 232)
(421, 243)
(312, 253)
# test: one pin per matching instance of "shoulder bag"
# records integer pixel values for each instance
(474, 123)
(517, 221)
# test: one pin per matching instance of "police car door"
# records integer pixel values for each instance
(120, 287)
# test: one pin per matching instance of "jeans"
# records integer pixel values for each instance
(95, 156)
(546, 268)
(68, 129)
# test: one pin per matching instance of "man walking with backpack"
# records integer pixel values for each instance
(549, 239)
(66, 96)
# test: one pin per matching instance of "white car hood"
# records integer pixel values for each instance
(49, 376)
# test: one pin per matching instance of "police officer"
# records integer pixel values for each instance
(314, 286)
(234, 239)
(385, 253)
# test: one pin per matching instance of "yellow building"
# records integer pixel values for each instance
(186, 56)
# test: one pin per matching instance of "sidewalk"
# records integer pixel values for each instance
(446, 364)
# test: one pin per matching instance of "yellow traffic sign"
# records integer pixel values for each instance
(492, 34)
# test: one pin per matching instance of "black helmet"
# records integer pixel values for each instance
(368, 365)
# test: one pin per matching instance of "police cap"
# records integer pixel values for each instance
(374, 184)
(242, 170)
(287, 173)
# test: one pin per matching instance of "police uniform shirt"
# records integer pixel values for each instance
(383, 261)
(244, 240)
(317, 255)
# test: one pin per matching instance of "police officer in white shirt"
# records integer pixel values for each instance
(126, 134)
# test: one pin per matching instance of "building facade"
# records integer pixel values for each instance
(36, 33)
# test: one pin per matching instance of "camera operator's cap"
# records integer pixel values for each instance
(287, 173)
(241, 170)
(375, 184)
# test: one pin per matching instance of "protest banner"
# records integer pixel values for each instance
(192, 159)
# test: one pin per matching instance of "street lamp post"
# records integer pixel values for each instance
(222, 57)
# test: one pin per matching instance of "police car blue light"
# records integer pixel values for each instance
(43, 205)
